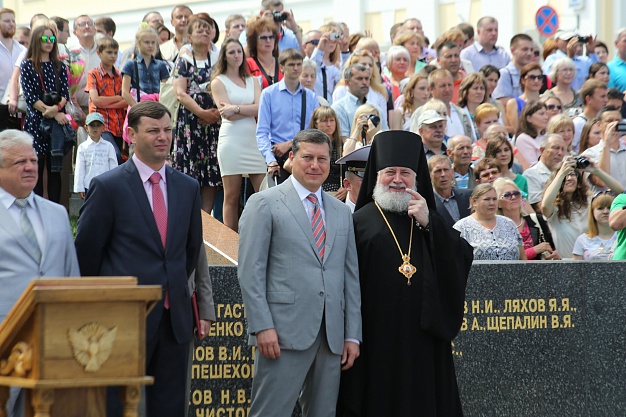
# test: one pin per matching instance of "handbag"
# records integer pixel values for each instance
(21, 100)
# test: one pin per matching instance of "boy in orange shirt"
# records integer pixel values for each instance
(104, 85)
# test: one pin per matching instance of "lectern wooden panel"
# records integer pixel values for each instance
(66, 339)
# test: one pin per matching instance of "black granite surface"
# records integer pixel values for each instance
(559, 349)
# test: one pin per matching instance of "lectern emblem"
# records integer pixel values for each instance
(91, 345)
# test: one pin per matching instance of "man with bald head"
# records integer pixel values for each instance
(460, 152)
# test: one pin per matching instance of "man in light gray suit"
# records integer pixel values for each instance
(35, 235)
(298, 272)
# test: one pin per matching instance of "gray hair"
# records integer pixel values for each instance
(309, 63)
(348, 72)
(397, 50)
(11, 138)
(561, 63)
(305, 37)
(546, 140)
(621, 32)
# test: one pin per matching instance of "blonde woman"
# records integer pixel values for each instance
(564, 126)
(414, 43)
(534, 230)
(493, 237)
(364, 128)
(598, 244)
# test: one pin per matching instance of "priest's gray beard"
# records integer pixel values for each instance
(390, 200)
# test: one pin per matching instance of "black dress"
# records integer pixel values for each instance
(406, 366)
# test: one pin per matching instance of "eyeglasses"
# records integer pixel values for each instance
(267, 38)
(48, 39)
(314, 42)
(554, 107)
(510, 195)
(572, 175)
(534, 77)
(85, 24)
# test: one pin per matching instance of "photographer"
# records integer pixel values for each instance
(365, 125)
(44, 82)
(566, 201)
(569, 45)
(290, 32)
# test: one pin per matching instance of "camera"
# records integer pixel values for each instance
(51, 99)
(279, 16)
(334, 36)
(621, 127)
(584, 39)
(375, 119)
(581, 162)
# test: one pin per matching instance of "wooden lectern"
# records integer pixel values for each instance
(65, 340)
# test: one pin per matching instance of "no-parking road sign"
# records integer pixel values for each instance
(547, 21)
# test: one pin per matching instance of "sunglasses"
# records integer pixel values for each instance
(85, 24)
(509, 195)
(48, 39)
(267, 38)
(554, 107)
(534, 77)
(314, 42)
(536, 53)
(599, 193)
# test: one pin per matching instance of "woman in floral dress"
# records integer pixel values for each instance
(197, 127)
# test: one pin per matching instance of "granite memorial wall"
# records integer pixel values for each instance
(538, 338)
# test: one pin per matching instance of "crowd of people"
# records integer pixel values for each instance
(519, 150)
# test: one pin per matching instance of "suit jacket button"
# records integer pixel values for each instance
(321, 293)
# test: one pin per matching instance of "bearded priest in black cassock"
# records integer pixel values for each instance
(413, 271)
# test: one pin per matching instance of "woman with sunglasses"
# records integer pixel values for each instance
(262, 44)
(44, 81)
(553, 104)
(493, 237)
(562, 74)
(598, 244)
(327, 57)
(534, 230)
(565, 202)
(531, 78)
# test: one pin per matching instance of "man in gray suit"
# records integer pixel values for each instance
(35, 234)
(298, 272)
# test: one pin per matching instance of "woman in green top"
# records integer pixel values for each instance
(617, 221)
(414, 43)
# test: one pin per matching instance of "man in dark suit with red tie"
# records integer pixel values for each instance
(143, 219)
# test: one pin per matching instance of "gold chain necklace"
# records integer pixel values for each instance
(406, 268)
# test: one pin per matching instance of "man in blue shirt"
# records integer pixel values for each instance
(484, 51)
(289, 33)
(280, 113)
(569, 45)
(508, 85)
(617, 65)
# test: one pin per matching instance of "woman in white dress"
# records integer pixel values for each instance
(236, 94)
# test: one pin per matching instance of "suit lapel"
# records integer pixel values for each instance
(295, 206)
(330, 222)
(139, 193)
(172, 205)
(8, 226)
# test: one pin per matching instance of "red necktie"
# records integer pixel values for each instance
(158, 207)
(317, 223)
(160, 216)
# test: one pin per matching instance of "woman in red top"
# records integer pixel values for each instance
(263, 51)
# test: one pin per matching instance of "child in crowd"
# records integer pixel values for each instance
(94, 157)
(142, 76)
(104, 85)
